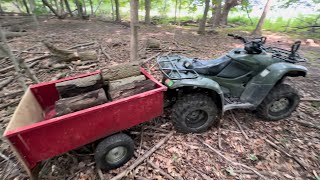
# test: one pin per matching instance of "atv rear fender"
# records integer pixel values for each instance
(258, 87)
(202, 83)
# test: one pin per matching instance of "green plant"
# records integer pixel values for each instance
(253, 157)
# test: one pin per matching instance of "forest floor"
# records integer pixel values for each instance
(182, 156)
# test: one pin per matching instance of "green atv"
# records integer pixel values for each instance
(245, 78)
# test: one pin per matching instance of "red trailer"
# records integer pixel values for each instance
(35, 139)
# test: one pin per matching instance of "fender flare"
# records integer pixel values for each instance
(260, 86)
(203, 83)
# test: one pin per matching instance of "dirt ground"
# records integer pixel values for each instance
(182, 156)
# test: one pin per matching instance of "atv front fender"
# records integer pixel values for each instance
(259, 86)
(200, 82)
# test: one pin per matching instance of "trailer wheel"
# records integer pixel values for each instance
(114, 151)
(194, 113)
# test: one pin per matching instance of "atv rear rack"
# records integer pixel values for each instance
(285, 55)
(173, 69)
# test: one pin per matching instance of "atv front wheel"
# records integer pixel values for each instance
(194, 113)
(279, 103)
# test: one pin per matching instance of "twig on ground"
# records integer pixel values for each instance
(5, 82)
(4, 157)
(157, 129)
(105, 53)
(10, 104)
(239, 126)
(9, 68)
(162, 172)
(219, 137)
(100, 174)
(150, 58)
(203, 175)
(141, 139)
(148, 133)
(307, 124)
(229, 160)
(81, 45)
(310, 99)
(142, 158)
(11, 94)
(286, 153)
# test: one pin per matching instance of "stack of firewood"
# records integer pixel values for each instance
(111, 84)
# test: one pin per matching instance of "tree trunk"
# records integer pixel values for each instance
(179, 12)
(91, 7)
(147, 9)
(80, 85)
(95, 11)
(118, 18)
(257, 31)
(82, 101)
(61, 7)
(46, 3)
(68, 7)
(112, 9)
(17, 68)
(56, 5)
(134, 24)
(226, 9)
(1, 10)
(26, 6)
(34, 16)
(203, 21)
(175, 12)
(217, 14)
(248, 14)
(84, 7)
(16, 4)
(79, 7)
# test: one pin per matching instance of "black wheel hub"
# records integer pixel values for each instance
(196, 118)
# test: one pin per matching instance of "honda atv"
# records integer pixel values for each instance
(245, 78)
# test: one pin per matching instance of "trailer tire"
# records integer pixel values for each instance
(194, 113)
(114, 151)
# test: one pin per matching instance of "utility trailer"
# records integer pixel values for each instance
(34, 139)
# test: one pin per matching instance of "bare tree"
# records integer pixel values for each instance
(203, 21)
(34, 16)
(26, 6)
(62, 7)
(134, 24)
(217, 14)
(147, 6)
(118, 18)
(112, 9)
(79, 8)
(175, 12)
(68, 7)
(84, 7)
(4, 46)
(226, 9)
(257, 31)
(46, 3)
(91, 7)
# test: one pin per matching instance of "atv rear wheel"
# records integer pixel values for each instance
(279, 103)
(194, 113)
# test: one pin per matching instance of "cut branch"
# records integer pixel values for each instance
(229, 160)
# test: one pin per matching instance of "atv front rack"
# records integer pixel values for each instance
(285, 55)
(172, 67)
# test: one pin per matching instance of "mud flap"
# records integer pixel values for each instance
(255, 93)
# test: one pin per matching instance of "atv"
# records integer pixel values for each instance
(245, 78)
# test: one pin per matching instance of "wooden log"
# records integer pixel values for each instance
(79, 85)
(132, 89)
(153, 43)
(120, 83)
(68, 55)
(121, 71)
(82, 101)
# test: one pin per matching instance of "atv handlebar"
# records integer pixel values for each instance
(236, 36)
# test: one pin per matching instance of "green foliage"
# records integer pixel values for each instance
(253, 157)
(230, 171)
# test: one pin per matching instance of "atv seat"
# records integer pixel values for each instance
(208, 67)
